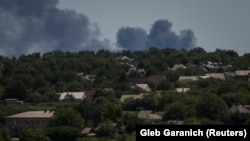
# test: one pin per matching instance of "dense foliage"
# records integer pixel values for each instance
(37, 78)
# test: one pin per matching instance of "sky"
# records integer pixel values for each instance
(29, 26)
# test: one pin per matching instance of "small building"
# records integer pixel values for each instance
(123, 58)
(143, 87)
(141, 71)
(157, 78)
(242, 75)
(131, 96)
(147, 114)
(72, 96)
(220, 76)
(240, 108)
(13, 101)
(178, 66)
(88, 132)
(90, 93)
(188, 78)
(182, 90)
(30, 119)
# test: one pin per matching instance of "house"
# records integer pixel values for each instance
(109, 90)
(242, 75)
(143, 87)
(72, 96)
(141, 71)
(211, 67)
(220, 76)
(157, 78)
(88, 132)
(140, 80)
(147, 114)
(90, 93)
(182, 90)
(240, 108)
(123, 58)
(178, 66)
(13, 101)
(132, 96)
(131, 70)
(188, 78)
(30, 119)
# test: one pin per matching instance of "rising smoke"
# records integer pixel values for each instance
(39, 26)
(29, 26)
(160, 36)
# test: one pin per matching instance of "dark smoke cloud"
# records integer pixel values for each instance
(29, 26)
(132, 38)
(160, 36)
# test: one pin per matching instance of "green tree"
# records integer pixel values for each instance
(112, 110)
(34, 135)
(63, 133)
(66, 116)
(213, 107)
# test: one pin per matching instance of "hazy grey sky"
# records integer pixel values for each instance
(220, 24)
(29, 26)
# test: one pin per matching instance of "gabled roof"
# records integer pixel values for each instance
(76, 95)
(86, 130)
(240, 109)
(191, 78)
(242, 72)
(89, 92)
(142, 71)
(177, 66)
(182, 90)
(147, 114)
(33, 114)
(139, 80)
(157, 78)
(142, 86)
(122, 58)
(211, 66)
(133, 96)
(216, 75)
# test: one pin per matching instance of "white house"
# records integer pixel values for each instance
(143, 87)
(72, 96)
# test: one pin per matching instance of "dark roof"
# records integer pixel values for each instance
(157, 78)
(89, 92)
(141, 80)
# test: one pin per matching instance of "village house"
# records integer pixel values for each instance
(182, 90)
(143, 87)
(148, 115)
(13, 101)
(178, 66)
(131, 96)
(71, 97)
(220, 76)
(141, 71)
(88, 132)
(30, 119)
(242, 75)
(123, 58)
(157, 78)
(240, 108)
(188, 78)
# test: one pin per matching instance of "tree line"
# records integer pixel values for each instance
(37, 78)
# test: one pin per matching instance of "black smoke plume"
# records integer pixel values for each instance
(160, 36)
(132, 38)
(29, 26)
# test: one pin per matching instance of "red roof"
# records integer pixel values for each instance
(89, 92)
